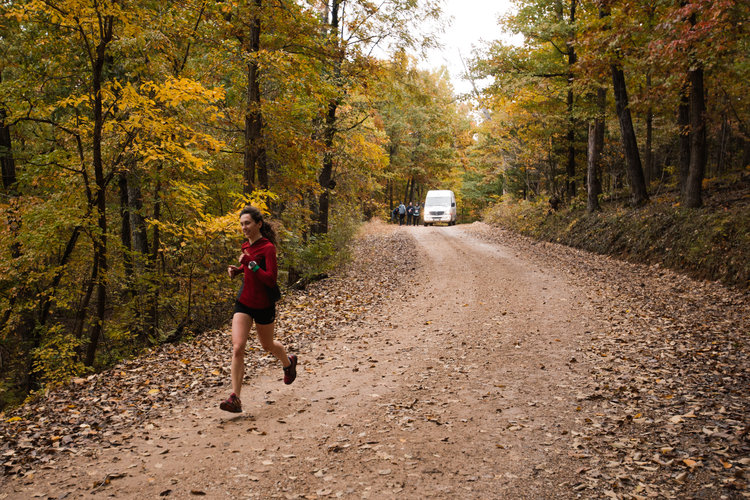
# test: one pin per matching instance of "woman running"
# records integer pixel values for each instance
(258, 265)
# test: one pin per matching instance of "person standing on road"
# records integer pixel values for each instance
(415, 215)
(259, 269)
(401, 213)
(409, 214)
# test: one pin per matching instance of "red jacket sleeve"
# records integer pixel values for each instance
(268, 275)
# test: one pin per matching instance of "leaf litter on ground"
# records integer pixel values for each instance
(667, 410)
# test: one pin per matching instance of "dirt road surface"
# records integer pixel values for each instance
(464, 384)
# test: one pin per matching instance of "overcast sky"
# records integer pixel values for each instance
(473, 21)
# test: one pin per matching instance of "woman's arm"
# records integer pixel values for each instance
(268, 275)
(234, 270)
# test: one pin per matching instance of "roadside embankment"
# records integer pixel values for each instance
(711, 243)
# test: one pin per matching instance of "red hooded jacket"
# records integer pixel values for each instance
(253, 293)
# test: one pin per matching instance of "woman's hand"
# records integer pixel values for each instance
(233, 271)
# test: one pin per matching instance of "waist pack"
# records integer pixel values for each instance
(274, 293)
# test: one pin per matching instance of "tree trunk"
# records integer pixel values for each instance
(683, 129)
(7, 162)
(125, 234)
(649, 160)
(141, 254)
(571, 163)
(83, 305)
(255, 155)
(627, 134)
(405, 198)
(724, 139)
(595, 146)
(629, 142)
(570, 167)
(325, 178)
(694, 186)
(100, 206)
(152, 319)
(135, 211)
(592, 203)
(8, 165)
(69, 247)
(552, 169)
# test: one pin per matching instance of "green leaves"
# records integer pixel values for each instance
(56, 359)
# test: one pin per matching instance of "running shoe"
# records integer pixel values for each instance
(290, 372)
(232, 404)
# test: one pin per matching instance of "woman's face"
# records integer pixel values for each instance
(250, 228)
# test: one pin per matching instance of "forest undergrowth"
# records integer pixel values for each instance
(711, 243)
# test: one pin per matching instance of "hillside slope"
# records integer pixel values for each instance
(710, 243)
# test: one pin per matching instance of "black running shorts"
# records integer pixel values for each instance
(261, 316)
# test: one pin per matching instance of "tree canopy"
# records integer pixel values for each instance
(650, 59)
(132, 132)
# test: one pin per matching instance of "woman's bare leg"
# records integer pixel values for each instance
(241, 324)
(265, 336)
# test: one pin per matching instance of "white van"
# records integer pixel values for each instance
(439, 206)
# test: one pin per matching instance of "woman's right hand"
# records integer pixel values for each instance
(233, 271)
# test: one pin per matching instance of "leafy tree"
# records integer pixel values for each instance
(350, 40)
(426, 129)
(541, 74)
(656, 56)
(695, 39)
(633, 164)
(87, 119)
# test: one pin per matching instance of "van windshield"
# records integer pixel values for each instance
(438, 200)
